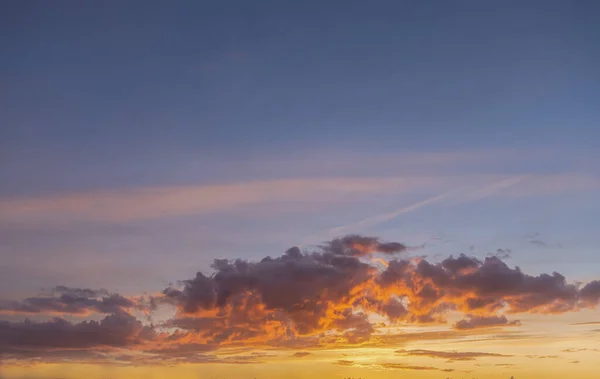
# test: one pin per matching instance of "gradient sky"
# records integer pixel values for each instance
(141, 140)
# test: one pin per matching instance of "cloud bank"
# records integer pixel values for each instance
(300, 300)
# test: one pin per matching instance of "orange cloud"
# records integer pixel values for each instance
(306, 300)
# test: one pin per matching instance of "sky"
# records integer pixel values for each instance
(265, 189)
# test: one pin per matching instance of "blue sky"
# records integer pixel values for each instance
(361, 108)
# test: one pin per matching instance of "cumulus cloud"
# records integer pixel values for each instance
(304, 300)
(590, 293)
(301, 295)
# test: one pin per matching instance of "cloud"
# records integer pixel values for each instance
(158, 202)
(473, 322)
(587, 323)
(579, 350)
(449, 355)
(541, 356)
(590, 293)
(301, 354)
(65, 300)
(305, 300)
(384, 217)
(119, 205)
(300, 295)
(403, 366)
(115, 330)
(478, 194)
(356, 245)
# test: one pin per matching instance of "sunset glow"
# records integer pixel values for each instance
(299, 189)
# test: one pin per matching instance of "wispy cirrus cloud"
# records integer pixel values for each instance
(148, 203)
(158, 202)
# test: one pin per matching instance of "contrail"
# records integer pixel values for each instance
(381, 218)
(478, 194)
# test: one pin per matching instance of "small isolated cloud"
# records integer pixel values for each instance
(535, 239)
(356, 245)
(587, 323)
(391, 366)
(572, 350)
(66, 300)
(451, 355)
(301, 354)
(472, 322)
(541, 356)
(402, 366)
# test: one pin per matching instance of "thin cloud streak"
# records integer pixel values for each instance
(384, 217)
(148, 203)
(159, 202)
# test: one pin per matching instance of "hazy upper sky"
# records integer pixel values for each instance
(140, 140)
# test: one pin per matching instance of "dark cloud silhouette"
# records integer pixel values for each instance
(450, 355)
(356, 245)
(590, 293)
(65, 300)
(403, 366)
(116, 330)
(301, 354)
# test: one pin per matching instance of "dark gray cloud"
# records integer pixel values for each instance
(66, 300)
(356, 245)
(115, 330)
(590, 293)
